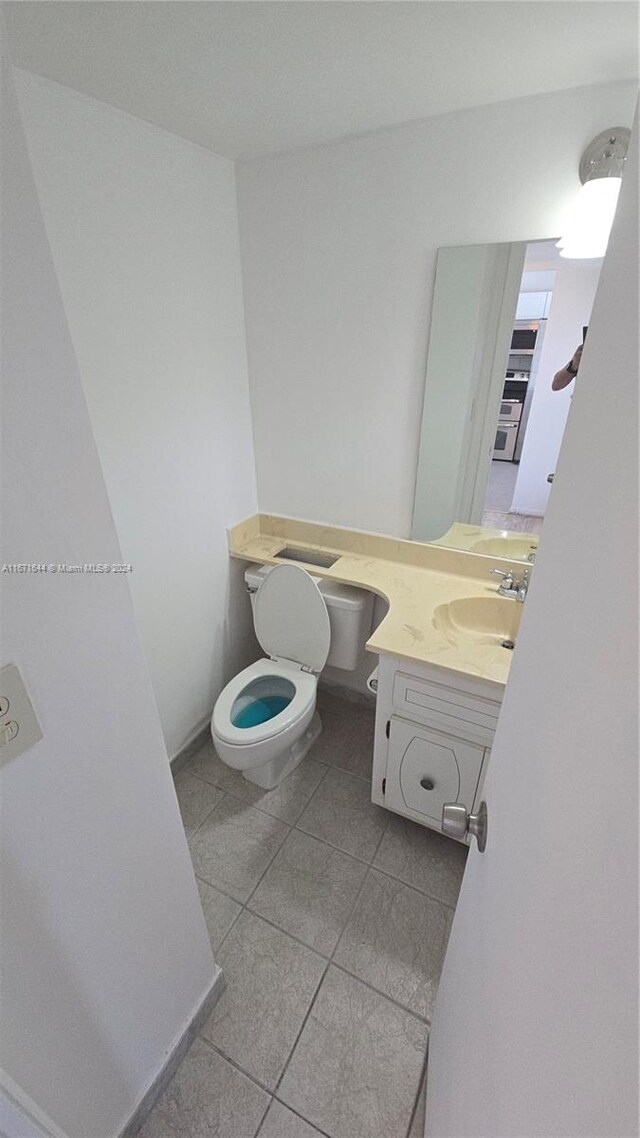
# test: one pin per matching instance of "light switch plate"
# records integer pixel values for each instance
(18, 722)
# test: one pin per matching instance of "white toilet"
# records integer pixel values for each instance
(265, 720)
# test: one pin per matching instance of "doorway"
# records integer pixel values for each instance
(554, 305)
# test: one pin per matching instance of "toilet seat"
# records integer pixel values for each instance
(292, 626)
(304, 684)
(291, 618)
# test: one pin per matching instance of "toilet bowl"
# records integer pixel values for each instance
(265, 720)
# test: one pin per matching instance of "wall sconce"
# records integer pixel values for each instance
(601, 168)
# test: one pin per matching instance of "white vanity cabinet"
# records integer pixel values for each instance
(433, 736)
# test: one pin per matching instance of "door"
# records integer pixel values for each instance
(535, 1026)
(428, 767)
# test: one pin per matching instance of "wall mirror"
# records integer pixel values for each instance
(505, 318)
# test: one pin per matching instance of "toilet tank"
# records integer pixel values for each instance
(350, 615)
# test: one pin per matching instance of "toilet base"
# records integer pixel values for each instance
(271, 774)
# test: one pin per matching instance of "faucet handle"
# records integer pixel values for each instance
(523, 586)
(506, 575)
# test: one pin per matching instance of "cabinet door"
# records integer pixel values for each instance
(427, 768)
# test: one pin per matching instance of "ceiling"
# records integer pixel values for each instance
(250, 77)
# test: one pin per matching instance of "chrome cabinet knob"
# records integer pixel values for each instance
(457, 823)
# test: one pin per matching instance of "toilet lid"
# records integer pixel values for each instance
(291, 618)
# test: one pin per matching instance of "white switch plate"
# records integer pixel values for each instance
(18, 722)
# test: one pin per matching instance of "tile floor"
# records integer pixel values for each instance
(501, 485)
(517, 523)
(329, 917)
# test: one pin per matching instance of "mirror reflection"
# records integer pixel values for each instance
(507, 325)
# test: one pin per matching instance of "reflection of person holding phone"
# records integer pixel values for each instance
(564, 377)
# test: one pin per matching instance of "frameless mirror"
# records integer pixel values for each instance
(506, 318)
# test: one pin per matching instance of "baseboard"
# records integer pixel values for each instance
(201, 735)
(174, 1059)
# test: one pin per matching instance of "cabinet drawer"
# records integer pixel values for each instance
(464, 714)
(427, 768)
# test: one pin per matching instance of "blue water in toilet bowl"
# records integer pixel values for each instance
(260, 710)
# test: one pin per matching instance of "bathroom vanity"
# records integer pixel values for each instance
(444, 651)
(433, 739)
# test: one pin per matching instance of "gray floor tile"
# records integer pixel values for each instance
(219, 912)
(396, 940)
(206, 764)
(334, 735)
(283, 1123)
(234, 845)
(270, 983)
(341, 812)
(342, 698)
(207, 1098)
(328, 700)
(196, 799)
(356, 1067)
(346, 740)
(501, 485)
(289, 799)
(423, 858)
(517, 523)
(309, 891)
(286, 802)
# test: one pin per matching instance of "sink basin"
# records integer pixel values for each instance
(308, 556)
(485, 620)
(518, 547)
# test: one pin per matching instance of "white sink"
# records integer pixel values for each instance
(484, 620)
(514, 547)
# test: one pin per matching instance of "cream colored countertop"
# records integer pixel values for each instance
(413, 577)
(489, 540)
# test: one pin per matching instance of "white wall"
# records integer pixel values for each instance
(143, 230)
(538, 280)
(571, 304)
(105, 954)
(338, 251)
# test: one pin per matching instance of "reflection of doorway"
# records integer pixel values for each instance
(499, 499)
(555, 299)
(501, 486)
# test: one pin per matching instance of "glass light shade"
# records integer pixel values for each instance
(590, 226)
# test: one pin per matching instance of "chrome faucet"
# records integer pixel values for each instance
(512, 588)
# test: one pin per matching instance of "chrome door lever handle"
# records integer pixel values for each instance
(457, 823)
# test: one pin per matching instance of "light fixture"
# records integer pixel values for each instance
(601, 168)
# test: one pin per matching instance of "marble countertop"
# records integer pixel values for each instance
(487, 539)
(413, 577)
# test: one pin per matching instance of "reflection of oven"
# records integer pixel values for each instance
(507, 431)
(510, 409)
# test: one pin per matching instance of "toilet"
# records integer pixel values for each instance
(265, 719)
